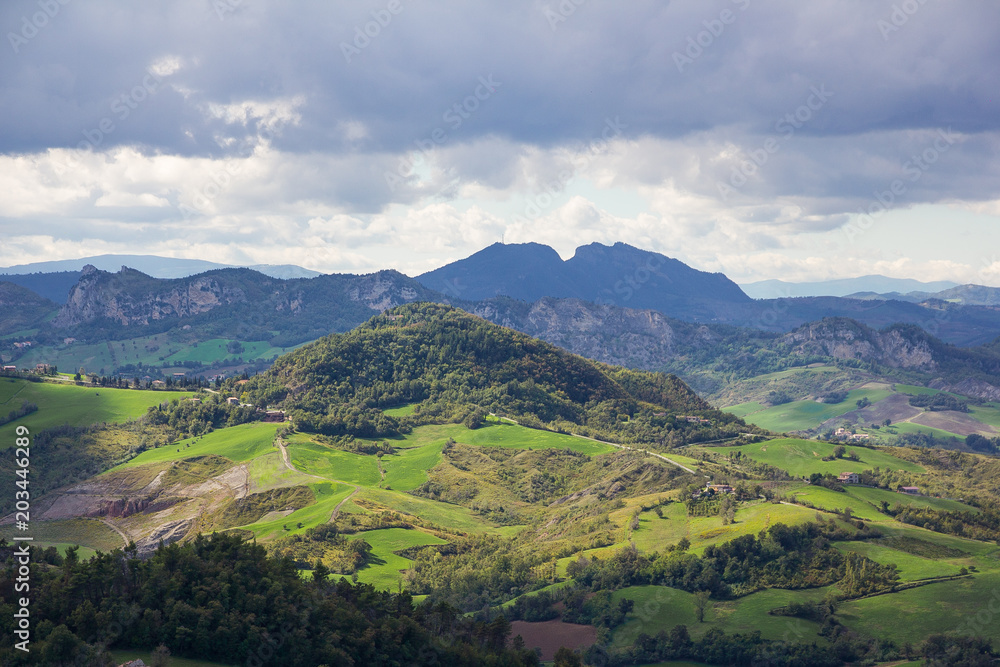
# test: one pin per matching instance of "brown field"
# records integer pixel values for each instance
(955, 422)
(550, 635)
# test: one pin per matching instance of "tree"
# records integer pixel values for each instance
(727, 510)
(567, 658)
(839, 451)
(161, 656)
(701, 604)
(320, 572)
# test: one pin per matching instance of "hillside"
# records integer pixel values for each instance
(22, 308)
(393, 472)
(452, 363)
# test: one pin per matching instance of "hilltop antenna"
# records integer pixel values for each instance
(501, 239)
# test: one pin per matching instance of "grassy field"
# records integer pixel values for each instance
(385, 543)
(827, 499)
(961, 606)
(910, 567)
(988, 414)
(328, 495)
(407, 469)
(237, 443)
(914, 390)
(347, 467)
(659, 608)
(749, 520)
(91, 534)
(801, 458)
(60, 404)
(909, 427)
(805, 414)
(446, 515)
(876, 496)
(401, 411)
(160, 350)
(503, 434)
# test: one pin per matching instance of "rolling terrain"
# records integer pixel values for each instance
(469, 465)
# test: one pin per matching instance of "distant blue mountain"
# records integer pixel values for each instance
(779, 289)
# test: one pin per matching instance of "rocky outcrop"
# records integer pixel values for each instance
(132, 298)
(969, 387)
(121, 508)
(842, 338)
(622, 336)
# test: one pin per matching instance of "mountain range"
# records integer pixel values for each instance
(875, 284)
(616, 304)
(54, 279)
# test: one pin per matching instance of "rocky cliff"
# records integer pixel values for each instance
(842, 338)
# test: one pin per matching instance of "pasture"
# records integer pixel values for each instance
(63, 403)
(805, 414)
(236, 443)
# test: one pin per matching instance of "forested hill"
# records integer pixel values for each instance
(21, 307)
(457, 366)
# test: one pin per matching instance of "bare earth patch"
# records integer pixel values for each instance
(955, 422)
(550, 635)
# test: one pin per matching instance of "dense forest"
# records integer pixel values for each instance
(220, 598)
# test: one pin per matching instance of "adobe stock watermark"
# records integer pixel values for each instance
(561, 13)
(220, 180)
(585, 153)
(121, 108)
(30, 27)
(899, 17)
(455, 116)
(786, 127)
(223, 7)
(363, 35)
(914, 168)
(704, 39)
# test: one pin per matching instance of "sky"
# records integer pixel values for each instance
(783, 139)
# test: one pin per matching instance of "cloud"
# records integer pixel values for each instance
(756, 130)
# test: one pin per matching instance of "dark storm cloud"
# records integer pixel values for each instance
(844, 92)
(749, 61)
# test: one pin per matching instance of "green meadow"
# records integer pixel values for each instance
(801, 458)
(385, 543)
(63, 403)
(805, 414)
(159, 350)
(237, 443)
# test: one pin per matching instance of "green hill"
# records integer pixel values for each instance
(457, 366)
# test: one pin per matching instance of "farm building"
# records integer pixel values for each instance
(232, 400)
(848, 478)
(719, 488)
(911, 490)
(274, 415)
